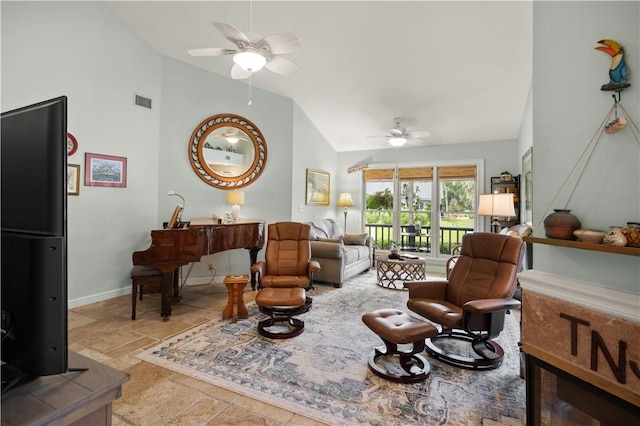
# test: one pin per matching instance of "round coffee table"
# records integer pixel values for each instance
(392, 273)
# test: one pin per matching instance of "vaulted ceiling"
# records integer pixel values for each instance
(460, 70)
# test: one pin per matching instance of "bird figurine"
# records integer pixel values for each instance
(618, 72)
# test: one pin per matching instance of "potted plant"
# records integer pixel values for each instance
(394, 249)
(506, 176)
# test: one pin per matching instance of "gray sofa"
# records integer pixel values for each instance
(341, 255)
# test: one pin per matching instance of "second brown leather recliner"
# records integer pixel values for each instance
(471, 304)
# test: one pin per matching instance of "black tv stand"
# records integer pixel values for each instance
(12, 377)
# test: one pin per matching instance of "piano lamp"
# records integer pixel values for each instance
(495, 205)
(345, 201)
(236, 199)
(171, 193)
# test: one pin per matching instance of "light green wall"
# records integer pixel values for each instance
(79, 49)
(568, 108)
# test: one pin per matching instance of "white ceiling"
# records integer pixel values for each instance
(460, 70)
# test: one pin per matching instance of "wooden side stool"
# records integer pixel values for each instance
(395, 327)
(144, 280)
(235, 306)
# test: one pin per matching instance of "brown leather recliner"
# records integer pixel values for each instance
(471, 304)
(283, 277)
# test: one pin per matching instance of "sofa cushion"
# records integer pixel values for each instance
(354, 239)
(351, 254)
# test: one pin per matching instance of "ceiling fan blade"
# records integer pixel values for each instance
(239, 73)
(280, 43)
(281, 66)
(420, 134)
(232, 34)
(211, 51)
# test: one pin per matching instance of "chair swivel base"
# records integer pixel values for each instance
(490, 354)
(414, 367)
(283, 314)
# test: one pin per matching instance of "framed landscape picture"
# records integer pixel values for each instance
(105, 170)
(318, 188)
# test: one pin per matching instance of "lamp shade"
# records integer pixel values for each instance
(235, 197)
(496, 205)
(345, 200)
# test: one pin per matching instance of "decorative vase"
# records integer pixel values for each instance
(561, 225)
(615, 237)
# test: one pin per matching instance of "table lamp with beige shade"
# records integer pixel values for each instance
(236, 199)
(496, 205)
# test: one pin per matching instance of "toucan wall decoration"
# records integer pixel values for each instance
(618, 72)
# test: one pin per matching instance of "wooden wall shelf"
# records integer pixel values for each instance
(630, 251)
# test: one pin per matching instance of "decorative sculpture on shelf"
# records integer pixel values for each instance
(618, 72)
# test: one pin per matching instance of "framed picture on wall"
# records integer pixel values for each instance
(73, 179)
(318, 188)
(105, 170)
(526, 188)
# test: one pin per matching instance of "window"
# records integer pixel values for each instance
(400, 206)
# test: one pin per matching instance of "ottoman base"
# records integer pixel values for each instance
(395, 328)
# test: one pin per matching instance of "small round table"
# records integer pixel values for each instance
(392, 273)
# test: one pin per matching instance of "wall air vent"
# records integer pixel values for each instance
(141, 101)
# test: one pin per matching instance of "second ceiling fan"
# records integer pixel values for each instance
(398, 135)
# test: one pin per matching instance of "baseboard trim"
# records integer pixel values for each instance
(99, 297)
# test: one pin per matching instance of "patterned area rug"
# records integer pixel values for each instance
(323, 372)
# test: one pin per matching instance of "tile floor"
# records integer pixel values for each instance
(154, 395)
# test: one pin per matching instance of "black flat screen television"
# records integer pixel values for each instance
(33, 154)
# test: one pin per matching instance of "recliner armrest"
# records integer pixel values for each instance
(427, 289)
(260, 268)
(314, 266)
(490, 305)
(326, 250)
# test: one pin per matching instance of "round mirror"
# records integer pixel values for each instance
(227, 151)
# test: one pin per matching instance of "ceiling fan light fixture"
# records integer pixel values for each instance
(397, 142)
(250, 61)
(232, 139)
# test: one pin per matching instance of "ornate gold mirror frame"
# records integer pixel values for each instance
(227, 151)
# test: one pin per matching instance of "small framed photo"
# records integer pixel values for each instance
(318, 188)
(73, 179)
(105, 170)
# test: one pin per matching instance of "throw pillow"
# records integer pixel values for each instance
(354, 239)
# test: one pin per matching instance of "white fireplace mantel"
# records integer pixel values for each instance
(613, 302)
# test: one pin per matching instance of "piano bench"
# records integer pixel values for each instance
(144, 280)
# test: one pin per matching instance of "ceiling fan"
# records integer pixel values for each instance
(398, 135)
(231, 136)
(254, 52)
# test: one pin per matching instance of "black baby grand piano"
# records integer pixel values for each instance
(171, 248)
